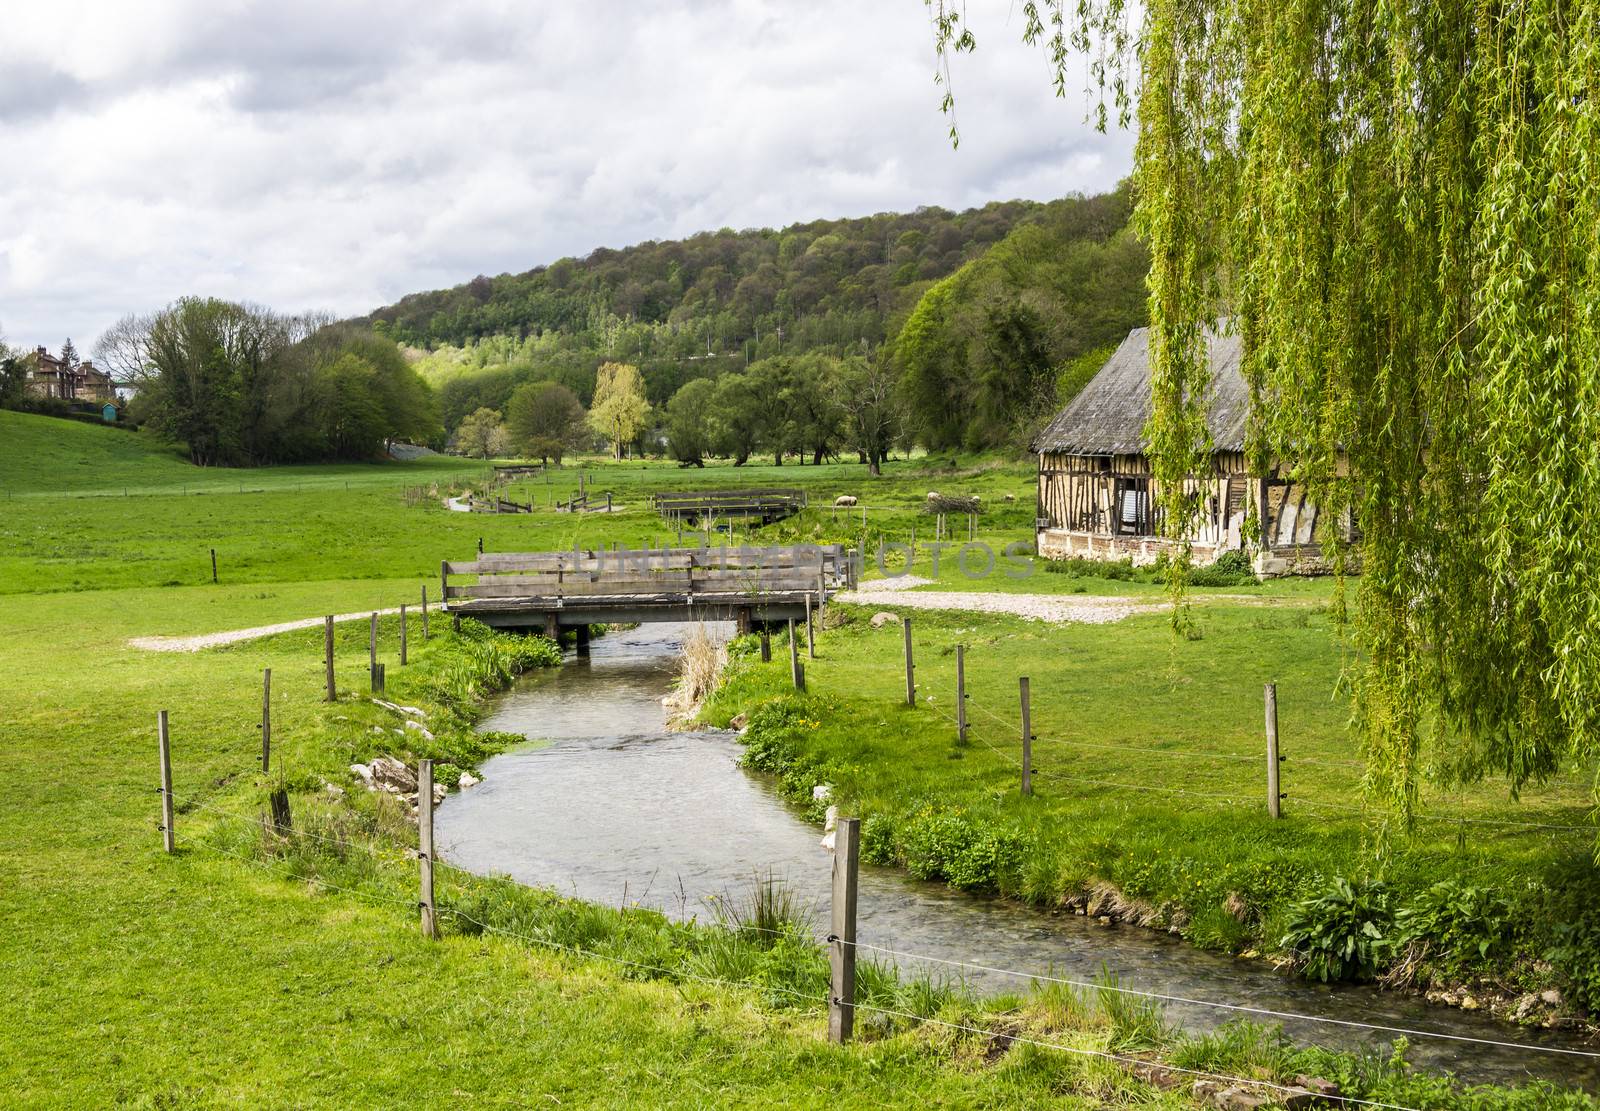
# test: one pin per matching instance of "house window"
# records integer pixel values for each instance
(1133, 506)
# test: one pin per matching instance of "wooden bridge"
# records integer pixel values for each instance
(679, 506)
(550, 590)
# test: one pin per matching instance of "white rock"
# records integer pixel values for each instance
(420, 728)
(822, 792)
(882, 618)
(363, 773)
(334, 792)
(1550, 996)
(469, 780)
(830, 828)
(403, 711)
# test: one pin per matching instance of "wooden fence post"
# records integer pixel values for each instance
(213, 565)
(911, 683)
(961, 693)
(402, 634)
(842, 939)
(794, 657)
(424, 611)
(480, 545)
(1274, 798)
(372, 653)
(766, 645)
(1027, 737)
(430, 922)
(800, 677)
(811, 631)
(266, 720)
(327, 656)
(166, 781)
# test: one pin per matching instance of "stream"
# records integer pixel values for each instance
(619, 810)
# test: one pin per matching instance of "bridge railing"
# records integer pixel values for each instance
(668, 574)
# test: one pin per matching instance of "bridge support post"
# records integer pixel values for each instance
(811, 631)
(742, 620)
(552, 627)
(580, 635)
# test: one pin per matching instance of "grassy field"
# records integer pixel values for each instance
(248, 969)
(1149, 781)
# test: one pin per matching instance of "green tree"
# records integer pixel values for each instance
(545, 419)
(770, 381)
(480, 433)
(620, 408)
(1395, 207)
(351, 410)
(690, 423)
(735, 415)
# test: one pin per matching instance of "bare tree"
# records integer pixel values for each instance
(123, 350)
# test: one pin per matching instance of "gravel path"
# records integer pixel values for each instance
(1086, 609)
(234, 636)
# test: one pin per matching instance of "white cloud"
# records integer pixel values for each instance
(338, 155)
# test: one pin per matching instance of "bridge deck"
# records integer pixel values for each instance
(769, 505)
(552, 589)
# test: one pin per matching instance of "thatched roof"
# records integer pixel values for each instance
(1109, 416)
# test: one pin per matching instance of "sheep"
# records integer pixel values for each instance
(934, 495)
(1011, 497)
(844, 501)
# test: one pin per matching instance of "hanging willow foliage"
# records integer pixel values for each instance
(1397, 204)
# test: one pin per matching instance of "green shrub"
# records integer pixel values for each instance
(1346, 933)
(1576, 957)
(1455, 928)
(965, 853)
(1231, 568)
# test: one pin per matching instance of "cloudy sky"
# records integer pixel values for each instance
(337, 155)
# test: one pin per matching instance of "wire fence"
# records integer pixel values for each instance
(1008, 748)
(389, 850)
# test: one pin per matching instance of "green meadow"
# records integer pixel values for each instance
(253, 968)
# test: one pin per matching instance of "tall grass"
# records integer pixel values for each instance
(700, 663)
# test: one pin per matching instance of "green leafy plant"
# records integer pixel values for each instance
(1346, 933)
(1454, 927)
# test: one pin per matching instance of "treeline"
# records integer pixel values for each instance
(975, 359)
(240, 385)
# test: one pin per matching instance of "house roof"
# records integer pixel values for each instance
(1108, 416)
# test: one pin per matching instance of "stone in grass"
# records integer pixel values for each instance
(882, 618)
(1325, 1090)
(468, 780)
(420, 728)
(392, 775)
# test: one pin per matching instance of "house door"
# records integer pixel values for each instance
(1133, 506)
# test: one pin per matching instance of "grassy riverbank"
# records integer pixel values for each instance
(1149, 795)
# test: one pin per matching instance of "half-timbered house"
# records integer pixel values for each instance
(1099, 500)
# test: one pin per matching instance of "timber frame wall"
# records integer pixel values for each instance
(1108, 507)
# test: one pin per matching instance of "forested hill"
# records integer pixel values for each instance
(827, 282)
(1001, 297)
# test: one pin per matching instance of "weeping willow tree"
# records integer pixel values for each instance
(1397, 205)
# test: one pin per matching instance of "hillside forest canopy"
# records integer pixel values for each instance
(823, 340)
(1396, 206)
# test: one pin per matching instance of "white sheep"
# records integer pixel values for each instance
(934, 495)
(844, 500)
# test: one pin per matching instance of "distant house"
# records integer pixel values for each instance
(1099, 500)
(48, 376)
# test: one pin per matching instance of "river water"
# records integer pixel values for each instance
(616, 810)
